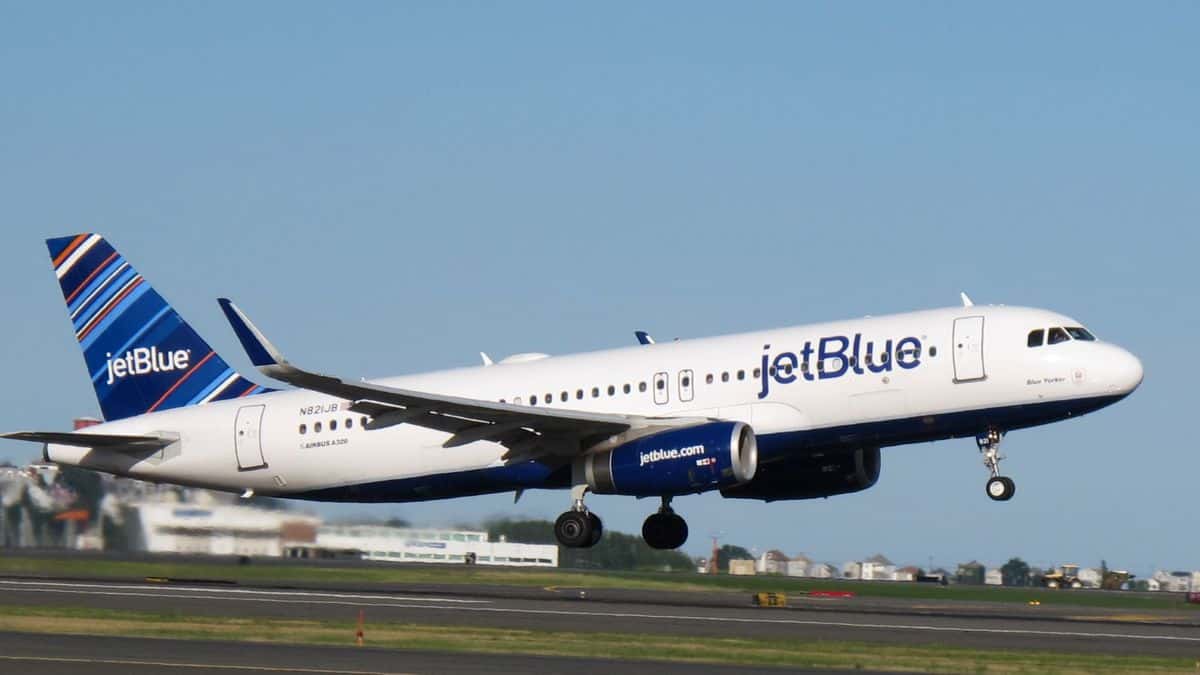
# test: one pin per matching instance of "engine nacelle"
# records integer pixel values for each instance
(676, 462)
(809, 477)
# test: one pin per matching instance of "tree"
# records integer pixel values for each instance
(730, 552)
(616, 550)
(1015, 572)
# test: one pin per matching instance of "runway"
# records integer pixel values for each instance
(35, 654)
(557, 610)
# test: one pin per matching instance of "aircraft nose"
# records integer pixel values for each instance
(1126, 371)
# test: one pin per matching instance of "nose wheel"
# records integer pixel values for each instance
(578, 527)
(999, 488)
(665, 529)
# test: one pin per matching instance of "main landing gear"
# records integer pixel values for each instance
(1000, 488)
(578, 528)
(665, 529)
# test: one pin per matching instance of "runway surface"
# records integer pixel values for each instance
(35, 654)
(558, 609)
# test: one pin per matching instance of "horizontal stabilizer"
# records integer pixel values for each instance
(111, 441)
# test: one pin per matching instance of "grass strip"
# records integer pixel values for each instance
(270, 572)
(639, 646)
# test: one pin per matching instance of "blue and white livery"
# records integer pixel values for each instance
(792, 413)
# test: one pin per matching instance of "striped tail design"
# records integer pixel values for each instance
(141, 355)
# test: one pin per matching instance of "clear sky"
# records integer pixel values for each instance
(392, 187)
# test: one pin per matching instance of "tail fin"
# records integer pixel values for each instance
(141, 355)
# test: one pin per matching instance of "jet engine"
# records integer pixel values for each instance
(812, 476)
(676, 462)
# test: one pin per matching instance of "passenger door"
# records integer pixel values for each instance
(968, 349)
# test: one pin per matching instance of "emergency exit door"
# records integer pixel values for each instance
(968, 349)
(247, 440)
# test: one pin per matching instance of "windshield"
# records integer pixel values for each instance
(1080, 333)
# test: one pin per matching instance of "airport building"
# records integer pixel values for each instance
(219, 529)
(402, 544)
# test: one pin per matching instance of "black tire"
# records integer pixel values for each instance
(654, 531)
(1000, 488)
(597, 529)
(678, 531)
(573, 529)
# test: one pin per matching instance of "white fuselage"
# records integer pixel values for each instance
(946, 373)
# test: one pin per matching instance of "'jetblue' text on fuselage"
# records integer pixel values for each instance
(836, 356)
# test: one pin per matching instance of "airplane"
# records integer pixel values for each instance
(790, 413)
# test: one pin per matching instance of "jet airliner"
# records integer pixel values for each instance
(791, 413)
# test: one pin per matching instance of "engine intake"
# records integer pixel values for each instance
(676, 462)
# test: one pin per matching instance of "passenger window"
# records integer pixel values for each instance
(549, 398)
(1036, 337)
(1056, 335)
(316, 427)
(660, 384)
(687, 381)
(564, 396)
(304, 428)
(611, 390)
(333, 425)
(1080, 333)
(708, 379)
(757, 373)
(741, 374)
(349, 423)
(533, 400)
(725, 376)
(595, 392)
(578, 393)
(363, 422)
(932, 352)
(627, 388)
(642, 386)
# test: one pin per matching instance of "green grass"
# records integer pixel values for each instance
(745, 651)
(268, 572)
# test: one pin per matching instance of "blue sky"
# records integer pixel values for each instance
(391, 188)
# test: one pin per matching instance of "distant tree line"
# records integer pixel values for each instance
(616, 550)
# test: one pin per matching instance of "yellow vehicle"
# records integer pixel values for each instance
(1066, 576)
(1114, 579)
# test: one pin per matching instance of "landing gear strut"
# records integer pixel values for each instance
(665, 529)
(999, 488)
(578, 528)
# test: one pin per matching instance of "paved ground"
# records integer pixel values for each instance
(564, 609)
(33, 654)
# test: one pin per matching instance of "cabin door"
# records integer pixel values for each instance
(247, 440)
(968, 349)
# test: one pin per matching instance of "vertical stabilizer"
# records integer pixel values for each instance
(140, 354)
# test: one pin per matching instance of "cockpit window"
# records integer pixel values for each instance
(1056, 335)
(1080, 333)
(1036, 337)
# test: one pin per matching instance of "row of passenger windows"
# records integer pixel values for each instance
(1055, 335)
(332, 425)
(685, 381)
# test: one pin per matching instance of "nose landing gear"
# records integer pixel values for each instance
(999, 488)
(665, 529)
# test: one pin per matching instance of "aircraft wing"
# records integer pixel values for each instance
(113, 441)
(526, 431)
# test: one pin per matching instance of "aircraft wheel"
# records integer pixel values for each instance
(1001, 488)
(597, 529)
(573, 529)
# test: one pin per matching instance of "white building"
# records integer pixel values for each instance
(877, 568)
(993, 577)
(771, 562)
(219, 529)
(798, 566)
(402, 544)
(822, 571)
